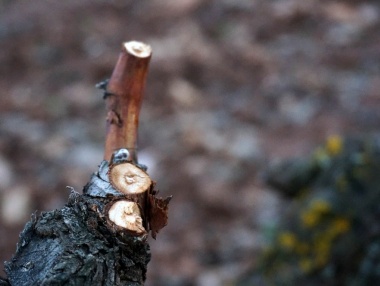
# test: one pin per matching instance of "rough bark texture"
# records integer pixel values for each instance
(81, 244)
(74, 246)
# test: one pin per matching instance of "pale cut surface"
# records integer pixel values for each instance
(138, 49)
(126, 215)
(129, 179)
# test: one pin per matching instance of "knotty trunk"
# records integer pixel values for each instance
(100, 237)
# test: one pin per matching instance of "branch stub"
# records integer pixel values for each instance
(138, 49)
(129, 179)
(127, 215)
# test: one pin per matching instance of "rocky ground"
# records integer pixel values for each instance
(233, 86)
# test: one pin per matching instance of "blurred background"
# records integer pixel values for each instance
(233, 87)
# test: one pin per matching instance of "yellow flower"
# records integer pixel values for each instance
(322, 258)
(341, 225)
(323, 244)
(306, 265)
(309, 219)
(320, 206)
(287, 240)
(334, 145)
(322, 248)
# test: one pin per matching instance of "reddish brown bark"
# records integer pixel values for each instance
(125, 93)
(123, 102)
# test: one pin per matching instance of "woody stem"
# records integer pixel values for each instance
(125, 93)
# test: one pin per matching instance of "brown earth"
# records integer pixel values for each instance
(233, 86)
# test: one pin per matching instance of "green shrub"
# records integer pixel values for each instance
(330, 234)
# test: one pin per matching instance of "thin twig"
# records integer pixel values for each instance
(124, 97)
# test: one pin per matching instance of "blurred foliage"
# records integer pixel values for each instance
(330, 234)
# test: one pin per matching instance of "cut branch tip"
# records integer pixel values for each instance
(138, 49)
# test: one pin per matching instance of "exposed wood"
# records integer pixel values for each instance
(129, 179)
(126, 214)
(75, 246)
(135, 185)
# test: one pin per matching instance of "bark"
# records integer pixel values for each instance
(75, 246)
(124, 94)
(100, 237)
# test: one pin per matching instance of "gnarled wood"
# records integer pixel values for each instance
(100, 237)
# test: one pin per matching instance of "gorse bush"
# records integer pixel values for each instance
(330, 234)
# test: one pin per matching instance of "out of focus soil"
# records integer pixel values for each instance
(233, 86)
